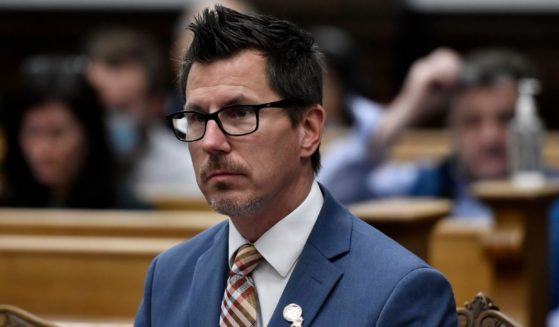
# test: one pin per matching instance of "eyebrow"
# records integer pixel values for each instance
(192, 107)
(236, 100)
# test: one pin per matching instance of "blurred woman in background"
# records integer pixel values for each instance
(57, 152)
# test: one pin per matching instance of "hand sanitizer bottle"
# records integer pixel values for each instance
(526, 138)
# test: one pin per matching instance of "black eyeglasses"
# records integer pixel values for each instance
(237, 120)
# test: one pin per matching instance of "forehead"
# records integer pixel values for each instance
(48, 112)
(236, 79)
(488, 100)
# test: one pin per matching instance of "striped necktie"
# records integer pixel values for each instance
(240, 305)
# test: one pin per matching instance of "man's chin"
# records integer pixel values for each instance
(234, 206)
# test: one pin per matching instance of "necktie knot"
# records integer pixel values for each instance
(246, 260)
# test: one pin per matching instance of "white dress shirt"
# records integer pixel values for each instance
(280, 247)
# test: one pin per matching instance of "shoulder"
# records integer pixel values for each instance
(375, 248)
(190, 250)
(405, 287)
(393, 284)
(366, 248)
(422, 296)
(177, 265)
(338, 227)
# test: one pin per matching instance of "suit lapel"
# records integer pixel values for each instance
(315, 275)
(208, 283)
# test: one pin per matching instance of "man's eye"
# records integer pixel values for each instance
(195, 118)
(239, 112)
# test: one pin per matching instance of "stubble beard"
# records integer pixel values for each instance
(220, 201)
(234, 207)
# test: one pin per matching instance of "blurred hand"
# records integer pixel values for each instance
(427, 83)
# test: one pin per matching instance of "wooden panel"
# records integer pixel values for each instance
(177, 224)
(457, 250)
(76, 276)
(409, 221)
(521, 221)
(434, 144)
(77, 260)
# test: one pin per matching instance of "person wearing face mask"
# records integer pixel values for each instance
(127, 69)
(57, 153)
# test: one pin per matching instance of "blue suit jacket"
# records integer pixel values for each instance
(349, 274)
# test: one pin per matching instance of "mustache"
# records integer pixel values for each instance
(493, 151)
(219, 162)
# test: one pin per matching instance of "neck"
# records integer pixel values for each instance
(276, 207)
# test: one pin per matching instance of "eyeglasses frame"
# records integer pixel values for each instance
(280, 104)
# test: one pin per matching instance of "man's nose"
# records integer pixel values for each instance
(493, 131)
(493, 135)
(214, 139)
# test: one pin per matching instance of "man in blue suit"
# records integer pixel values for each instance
(289, 255)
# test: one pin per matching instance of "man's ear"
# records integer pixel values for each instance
(312, 124)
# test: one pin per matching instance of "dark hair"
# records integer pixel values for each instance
(486, 67)
(118, 46)
(294, 62)
(48, 80)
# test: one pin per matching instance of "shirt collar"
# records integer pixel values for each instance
(282, 244)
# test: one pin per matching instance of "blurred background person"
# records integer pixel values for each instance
(57, 153)
(483, 93)
(351, 161)
(480, 93)
(127, 69)
(345, 85)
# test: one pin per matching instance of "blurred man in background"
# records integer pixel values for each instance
(127, 69)
(482, 90)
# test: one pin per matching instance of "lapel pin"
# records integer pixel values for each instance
(294, 314)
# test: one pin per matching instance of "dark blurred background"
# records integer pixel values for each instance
(391, 33)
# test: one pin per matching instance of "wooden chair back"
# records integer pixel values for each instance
(481, 311)
(11, 316)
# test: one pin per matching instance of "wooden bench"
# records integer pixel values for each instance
(518, 247)
(434, 144)
(106, 223)
(457, 249)
(409, 221)
(507, 260)
(72, 263)
(77, 277)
